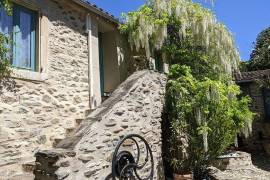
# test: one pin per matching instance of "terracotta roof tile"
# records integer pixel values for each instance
(251, 75)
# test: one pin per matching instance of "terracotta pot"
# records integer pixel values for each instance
(182, 176)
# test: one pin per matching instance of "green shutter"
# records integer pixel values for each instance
(101, 64)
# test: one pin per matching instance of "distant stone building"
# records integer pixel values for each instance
(260, 138)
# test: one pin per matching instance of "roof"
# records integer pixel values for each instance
(251, 75)
(93, 8)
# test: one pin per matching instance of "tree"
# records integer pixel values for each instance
(200, 94)
(206, 115)
(148, 29)
(5, 71)
(260, 56)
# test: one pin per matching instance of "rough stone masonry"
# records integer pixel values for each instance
(135, 107)
(41, 111)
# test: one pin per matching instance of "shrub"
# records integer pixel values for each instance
(203, 112)
(205, 117)
(5, 69)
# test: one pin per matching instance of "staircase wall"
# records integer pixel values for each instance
(135, 107)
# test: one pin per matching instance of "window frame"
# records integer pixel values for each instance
(35, 32)
(42, 45)
(34, 61)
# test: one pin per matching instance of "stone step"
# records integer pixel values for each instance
(70, 131)
(88, 111)
(29, 167)
(23, 177)
(46, 163)
(233, 160)
(78, 122)
(56, 141)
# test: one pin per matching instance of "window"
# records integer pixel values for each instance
(158, 62)
(21, 28)
(266, 98)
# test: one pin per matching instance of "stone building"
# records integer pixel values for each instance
(250, 84)
(67, 56)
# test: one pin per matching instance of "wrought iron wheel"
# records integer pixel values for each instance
(128, 165)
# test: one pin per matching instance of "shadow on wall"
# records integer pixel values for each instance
(166, 134)
(160, 170)
(130, 61)
(261, 161)
(255, 142)
(93, 102)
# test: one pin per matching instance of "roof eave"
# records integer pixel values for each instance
(244, 81)
(97, 11)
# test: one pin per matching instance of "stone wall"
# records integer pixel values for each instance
(42, 111)
(236, 166)
(135, 107)
(259, 139)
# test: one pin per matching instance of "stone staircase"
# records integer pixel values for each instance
(134, 107)
(71, 130)
(29, 166)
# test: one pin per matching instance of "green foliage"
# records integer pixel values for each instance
(7, 5)
(243, 66)
(187, 52)
(4, 41)
(202, 109)
(148, 29)
(5, 71)
(260, 56)
(206, 115)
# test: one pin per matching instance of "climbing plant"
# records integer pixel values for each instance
(147, 29)
(203, 112)
(5, 71)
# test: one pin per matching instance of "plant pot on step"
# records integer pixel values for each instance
(182, 176)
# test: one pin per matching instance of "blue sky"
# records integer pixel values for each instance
(244, 18)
